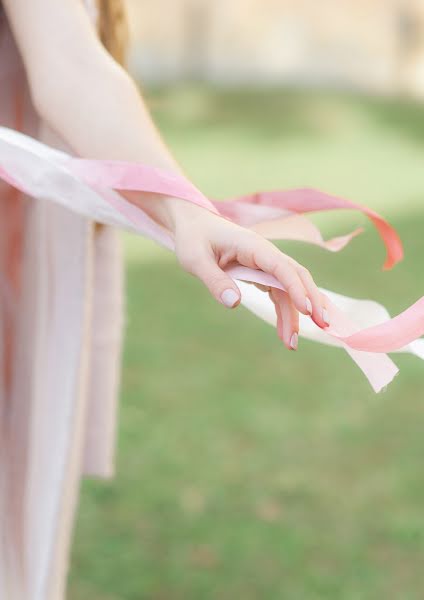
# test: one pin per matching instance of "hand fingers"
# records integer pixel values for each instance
(287, 318)
(290, 322)
(220, 285)
(274, 262)
(296, 280)
(318, 300)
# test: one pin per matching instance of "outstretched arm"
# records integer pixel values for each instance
(88, 99)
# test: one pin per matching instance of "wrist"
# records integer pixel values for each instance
(180, 212)
(167, 211)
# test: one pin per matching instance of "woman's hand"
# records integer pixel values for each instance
(207, 243)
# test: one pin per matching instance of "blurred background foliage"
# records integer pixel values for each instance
(245, 471)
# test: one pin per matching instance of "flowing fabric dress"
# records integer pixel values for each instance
(59, 361)
(61, 318)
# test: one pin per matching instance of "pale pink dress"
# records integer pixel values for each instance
(59, 362)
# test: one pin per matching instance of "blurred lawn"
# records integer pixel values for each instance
(245, 471)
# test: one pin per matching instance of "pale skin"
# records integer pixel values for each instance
(86, 97)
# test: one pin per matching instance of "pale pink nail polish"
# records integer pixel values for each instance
(294, 341)
(229, 298)
(308, 305)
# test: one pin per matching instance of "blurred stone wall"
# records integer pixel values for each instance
(410, 56)
(377, 45)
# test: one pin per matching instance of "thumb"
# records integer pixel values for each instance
(220, 285)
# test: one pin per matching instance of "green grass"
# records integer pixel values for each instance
(245, 471)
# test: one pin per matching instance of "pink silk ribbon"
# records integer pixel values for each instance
(135, 177)
(90, 187)
(307, 200)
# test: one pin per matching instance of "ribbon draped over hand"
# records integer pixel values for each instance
(91, 188)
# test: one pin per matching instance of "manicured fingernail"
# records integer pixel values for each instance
(293, 341)
(308, 305)
(229, 298)
(325, 316)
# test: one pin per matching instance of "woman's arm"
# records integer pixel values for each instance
(88, 99)
(81, 92)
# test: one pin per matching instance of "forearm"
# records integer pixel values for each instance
(87, 98)
(108, 119)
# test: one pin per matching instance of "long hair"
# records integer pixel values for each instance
(113, 28)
